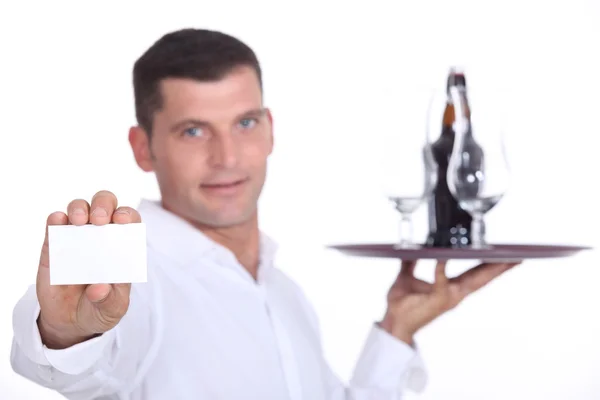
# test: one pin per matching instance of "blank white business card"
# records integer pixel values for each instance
(88, 254)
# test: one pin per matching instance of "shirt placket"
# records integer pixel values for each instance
(285, 349)
(287, 356)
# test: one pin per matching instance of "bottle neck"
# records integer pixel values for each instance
(448, 125)
(449, 117)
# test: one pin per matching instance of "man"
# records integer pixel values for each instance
(216, 319)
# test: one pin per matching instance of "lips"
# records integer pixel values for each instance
(223, 187)
(223, 184)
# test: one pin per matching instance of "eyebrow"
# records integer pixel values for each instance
(254, 113)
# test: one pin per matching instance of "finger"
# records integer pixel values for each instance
(56, 218)
(407, 268)
(78, 212)
(444, 296)
(479, 276)
(126, 215)
(441, 281)
(103, 206)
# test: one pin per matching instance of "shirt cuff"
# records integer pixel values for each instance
(388, 363)
(72, 360)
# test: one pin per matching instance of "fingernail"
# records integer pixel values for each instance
(77, 211)
(100, 212)
(122, 211)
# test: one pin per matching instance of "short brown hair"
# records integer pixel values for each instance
(200, 54)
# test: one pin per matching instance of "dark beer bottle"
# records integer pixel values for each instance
(449, 224)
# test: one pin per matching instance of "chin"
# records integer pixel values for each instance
(226, 222)
(225, 219)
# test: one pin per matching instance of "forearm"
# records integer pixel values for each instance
(388, 365)
(74, 385)
(386, 369)
(100, 366)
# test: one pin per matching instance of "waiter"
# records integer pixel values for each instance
(216, 319)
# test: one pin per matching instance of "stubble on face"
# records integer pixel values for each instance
(211, 142)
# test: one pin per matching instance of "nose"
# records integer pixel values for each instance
(224, 152)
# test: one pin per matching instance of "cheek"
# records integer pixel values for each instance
(256, 153)
(183, 166)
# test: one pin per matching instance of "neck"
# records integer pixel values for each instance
(243, 240)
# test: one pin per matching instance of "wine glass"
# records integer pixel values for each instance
(409, 172)
(478, 173)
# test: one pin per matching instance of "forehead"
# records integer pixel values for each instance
(236, 93)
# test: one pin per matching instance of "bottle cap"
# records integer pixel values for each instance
(457, 70)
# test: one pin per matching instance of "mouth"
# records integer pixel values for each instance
(224, 187)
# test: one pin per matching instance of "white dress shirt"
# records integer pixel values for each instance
(203, 328)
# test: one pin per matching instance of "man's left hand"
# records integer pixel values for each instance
(413, 303)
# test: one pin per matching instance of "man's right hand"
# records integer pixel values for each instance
(71, 314)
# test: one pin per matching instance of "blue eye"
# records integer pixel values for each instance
(248, 123)
(193, 132)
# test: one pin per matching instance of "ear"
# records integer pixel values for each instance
(140, 146)
(270, 118)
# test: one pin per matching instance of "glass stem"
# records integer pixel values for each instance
(406, 230)
(478, 231)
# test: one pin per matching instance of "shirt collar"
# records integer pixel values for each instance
(177, 239)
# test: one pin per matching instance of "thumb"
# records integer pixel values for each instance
(98, 293)
(441, 280)
(111, 300)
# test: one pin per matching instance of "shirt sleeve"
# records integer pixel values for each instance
(389, 364)
(386, 369)
(102, 366)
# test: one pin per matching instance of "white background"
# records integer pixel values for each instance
(330, 69)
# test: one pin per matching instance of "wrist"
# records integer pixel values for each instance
(398, 330)
(60, 338)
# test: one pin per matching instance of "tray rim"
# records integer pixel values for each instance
(543, 251)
